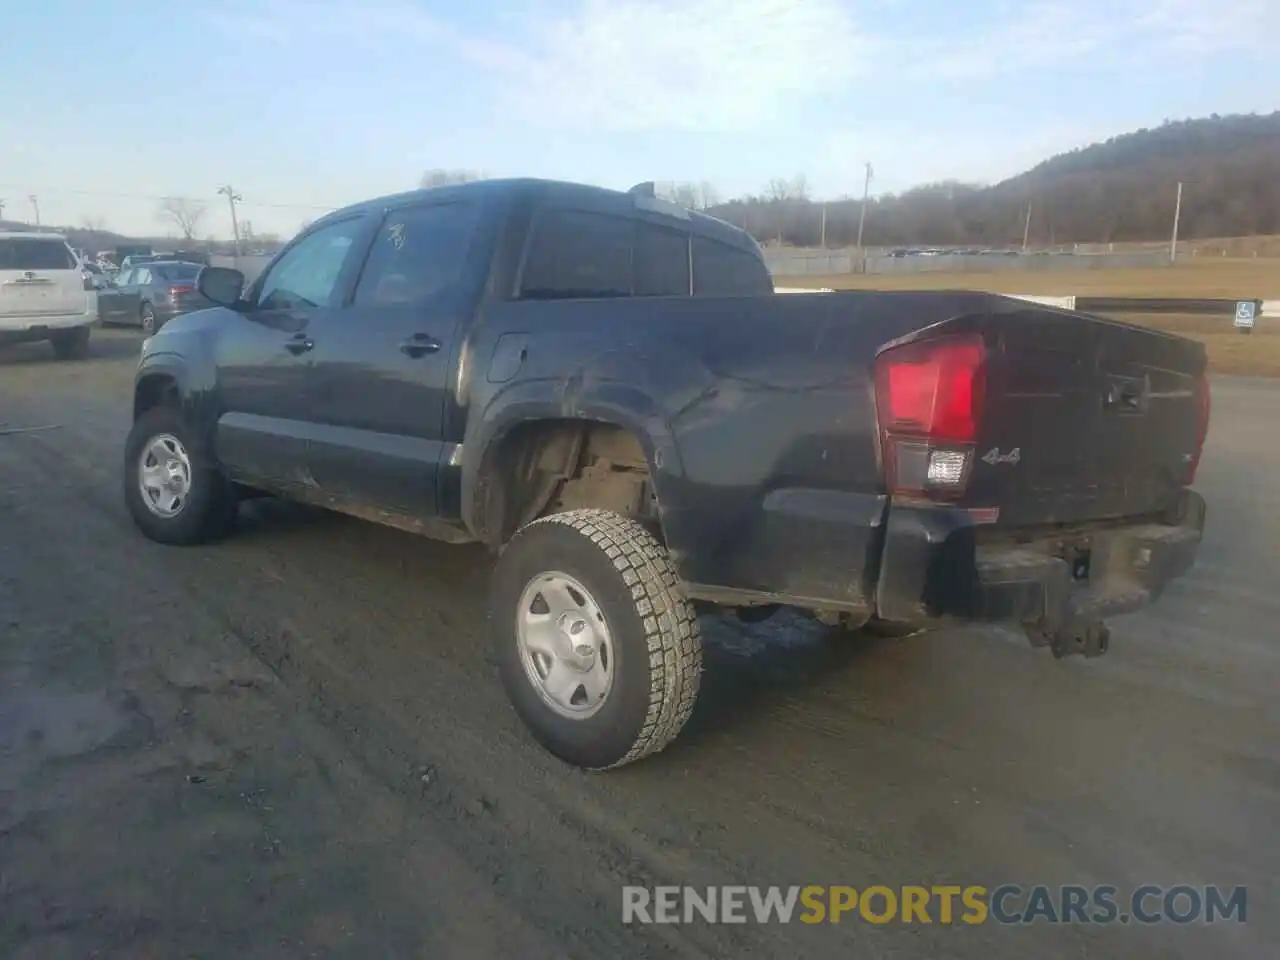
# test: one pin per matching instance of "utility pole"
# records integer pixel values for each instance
(35, 205)
(1177, 215)
(862, 214)
(824, 226)
(1026, 228)
(1, 208)
(232, 197)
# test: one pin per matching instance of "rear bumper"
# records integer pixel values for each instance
(28, 329)
(935, 566)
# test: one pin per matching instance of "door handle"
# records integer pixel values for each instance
(300, 344)
(419, 345)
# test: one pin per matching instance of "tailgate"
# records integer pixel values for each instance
(1085, 419)
(39, 277)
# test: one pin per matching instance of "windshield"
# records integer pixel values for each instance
(32, 253)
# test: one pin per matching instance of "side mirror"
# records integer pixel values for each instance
(222, 285)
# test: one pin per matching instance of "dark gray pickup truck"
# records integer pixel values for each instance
(604, 389)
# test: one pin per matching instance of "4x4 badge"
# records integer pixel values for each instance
(994, 456)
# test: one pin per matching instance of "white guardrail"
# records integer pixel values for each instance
(1270, 308)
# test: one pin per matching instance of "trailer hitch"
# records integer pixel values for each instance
(1087, 638)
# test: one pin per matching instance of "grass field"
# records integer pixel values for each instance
(1255, 354)
(1230, 351)
(1207, 277)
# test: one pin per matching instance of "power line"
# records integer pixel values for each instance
(107, 195)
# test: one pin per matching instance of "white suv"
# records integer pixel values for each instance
(44, 294)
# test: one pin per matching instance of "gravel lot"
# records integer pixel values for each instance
(293, 744)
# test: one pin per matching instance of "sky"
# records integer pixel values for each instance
(307, 105)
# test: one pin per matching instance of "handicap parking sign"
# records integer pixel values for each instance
(1245, 310)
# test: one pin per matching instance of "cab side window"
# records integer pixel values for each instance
(661, 262)
(573, 254)
(307, 275)
(419, 254)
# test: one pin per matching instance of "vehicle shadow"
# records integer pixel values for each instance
(751, 671)
(750, 668)
(103, 345)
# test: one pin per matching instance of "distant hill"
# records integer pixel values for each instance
(79, 237)
(83, 238)
(1119, 190)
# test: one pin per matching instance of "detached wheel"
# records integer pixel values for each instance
(597, 646)
(172, 486)
(148, 318)
(71, 344)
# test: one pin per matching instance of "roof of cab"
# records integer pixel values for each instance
(576, 194)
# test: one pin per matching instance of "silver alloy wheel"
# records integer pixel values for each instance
(148, 320)
(565, 645)
(164, 475)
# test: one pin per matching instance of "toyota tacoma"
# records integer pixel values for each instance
(604, 388)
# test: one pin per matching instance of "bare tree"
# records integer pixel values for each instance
(94, 224)
(183, 213)
(692, 196)
(780, 188)
(440, 177)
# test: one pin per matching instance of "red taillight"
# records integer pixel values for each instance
(929, 397)
(178, 291)
(1203, 404)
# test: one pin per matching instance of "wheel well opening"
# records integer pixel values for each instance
(154, 391)
(549, 466)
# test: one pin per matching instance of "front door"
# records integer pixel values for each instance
(111, 301)
(264, 355)
(382, 364)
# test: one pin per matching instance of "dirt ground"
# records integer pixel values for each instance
(293, 744)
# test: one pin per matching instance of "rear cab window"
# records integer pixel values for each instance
(723, 270)
(36, 254)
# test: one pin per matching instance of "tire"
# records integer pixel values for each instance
(651, 640)
(71, 344)
(147, 317)
(209, 507)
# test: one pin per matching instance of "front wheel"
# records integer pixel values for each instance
(173, 488)
(597, 646)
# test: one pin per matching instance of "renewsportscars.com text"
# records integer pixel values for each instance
(1007, 904)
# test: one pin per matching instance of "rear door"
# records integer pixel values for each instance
(39, 277)
(381, 362)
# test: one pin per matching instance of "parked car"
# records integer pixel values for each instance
(149, 295)
(94, 275)
(137, 258)
(44, 294)
(604, 389)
